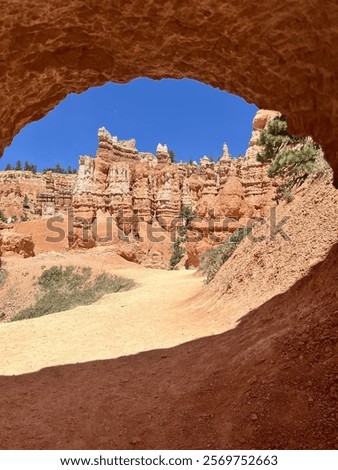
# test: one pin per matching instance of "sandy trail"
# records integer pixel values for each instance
(151, 316)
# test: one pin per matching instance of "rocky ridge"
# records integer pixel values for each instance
(140, 192)
(133, 199)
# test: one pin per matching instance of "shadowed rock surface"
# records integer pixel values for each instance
(280, 56)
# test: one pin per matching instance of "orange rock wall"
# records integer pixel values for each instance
(141, 192)
(47, 194)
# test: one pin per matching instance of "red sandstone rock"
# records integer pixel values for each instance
(14, 243)
(134, 188)
(140, 197)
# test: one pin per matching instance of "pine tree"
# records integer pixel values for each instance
(18, 165)
(58, 168)
(177, 253)
(8, 167)
(172, 156)
(187, 214)
(291, 158)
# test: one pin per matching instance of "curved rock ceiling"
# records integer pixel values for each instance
(279, 55)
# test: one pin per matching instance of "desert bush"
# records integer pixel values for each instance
(187, 214)
(66, 288)
(2, 217)
(3, 277)
(177, 253)
(292, 158)
(213, 259)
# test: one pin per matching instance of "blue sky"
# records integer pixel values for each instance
(192, 118)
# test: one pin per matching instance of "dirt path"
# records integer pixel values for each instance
(255, 386)
(151, 316)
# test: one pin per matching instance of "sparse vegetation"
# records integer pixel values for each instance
(59, 169)
(18, 167)
(33, 168)
(292, 158)
(187, 215)
(3, 277)
(64, 288)
(172, 156)
(213, 259)
(2, 217)
(177, 252)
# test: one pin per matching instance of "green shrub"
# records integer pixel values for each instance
(66, 288)
(60, 278)
(292, 158)
(177, 253)
(3, 277)
(187, 214)
(2, 217)
(213, 259)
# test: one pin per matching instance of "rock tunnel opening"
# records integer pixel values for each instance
(275, 389)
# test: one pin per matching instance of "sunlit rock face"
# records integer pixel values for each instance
(14, 243)
(281, 55)
(24, 194)
(139, 192)
(132, 200)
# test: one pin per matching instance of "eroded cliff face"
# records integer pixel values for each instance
(24, 194)
(134, 199)
(14, 243)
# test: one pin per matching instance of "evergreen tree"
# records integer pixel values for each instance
(291, 158)
(172, 156)
(187, 214)
(177, 253)
(58, 168)
(8, 167)
(26, 166)
(18, 166)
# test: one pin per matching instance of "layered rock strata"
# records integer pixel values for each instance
(140, 192)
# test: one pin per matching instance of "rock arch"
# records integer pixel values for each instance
(280, 55)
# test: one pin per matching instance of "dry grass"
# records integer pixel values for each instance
(65, 288)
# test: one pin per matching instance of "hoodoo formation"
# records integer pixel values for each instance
(128, 198)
